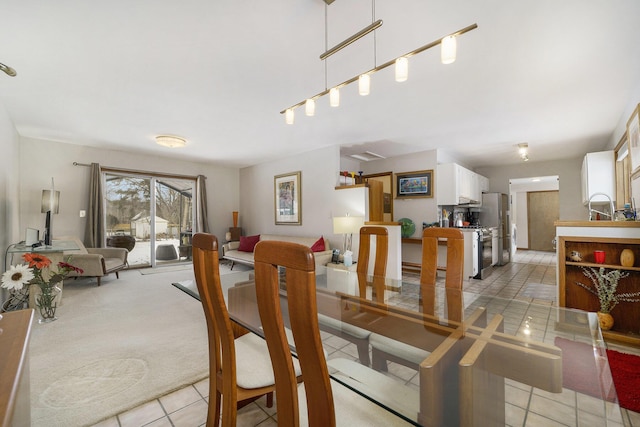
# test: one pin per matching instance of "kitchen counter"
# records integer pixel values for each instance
(628, 224)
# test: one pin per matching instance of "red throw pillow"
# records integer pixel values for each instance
(248, 243)
(318, 246)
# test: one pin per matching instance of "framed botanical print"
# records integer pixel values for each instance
(287, 199)
(414, 184)
(633, 136)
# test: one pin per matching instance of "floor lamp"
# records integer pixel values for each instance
(50, 205)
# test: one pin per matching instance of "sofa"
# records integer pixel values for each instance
(233, 252)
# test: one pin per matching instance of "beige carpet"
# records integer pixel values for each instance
(114, 347)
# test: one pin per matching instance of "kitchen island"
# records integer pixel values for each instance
(612, 237)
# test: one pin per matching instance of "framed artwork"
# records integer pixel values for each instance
(288, 206)
(414, 184)
(633, 136)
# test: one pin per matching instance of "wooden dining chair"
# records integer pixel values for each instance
(358, 336)
(383, 348)
(240, 371)
(325, 400)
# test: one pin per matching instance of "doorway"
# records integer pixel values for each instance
(521, 208)
(543, 208)
(386, 178)
(156, 212)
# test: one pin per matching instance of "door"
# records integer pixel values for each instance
(543, 209)
(157, 212)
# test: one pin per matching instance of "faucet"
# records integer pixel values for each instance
(591, 211)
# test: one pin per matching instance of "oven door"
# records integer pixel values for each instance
(485, 254)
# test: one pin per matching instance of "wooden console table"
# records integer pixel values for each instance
(15, 402)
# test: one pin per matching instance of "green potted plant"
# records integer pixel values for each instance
(605, 285)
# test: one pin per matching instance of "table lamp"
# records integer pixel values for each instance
(347, 225)
(50, 204)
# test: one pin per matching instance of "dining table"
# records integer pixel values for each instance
(482, 353)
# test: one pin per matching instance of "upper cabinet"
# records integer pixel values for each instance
(456, 185)
(598, 176)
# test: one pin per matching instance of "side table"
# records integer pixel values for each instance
(341, 266)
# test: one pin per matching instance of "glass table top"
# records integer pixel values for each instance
(442, 357)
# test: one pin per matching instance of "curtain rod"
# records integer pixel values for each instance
(140, 172)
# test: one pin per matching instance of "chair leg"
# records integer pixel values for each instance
(379, 362)
(117, 275)
(270, 400)
(231, 265)
(98, 280)
(363, 352)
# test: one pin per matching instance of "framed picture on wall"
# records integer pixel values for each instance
(414, 184)
(633, 136)
(287, 199)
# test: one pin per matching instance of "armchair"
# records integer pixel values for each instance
(96, 262)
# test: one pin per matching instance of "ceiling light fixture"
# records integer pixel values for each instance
(450, 57)
(402, 69)
(8, 70)
(171, 141)
(523, 150)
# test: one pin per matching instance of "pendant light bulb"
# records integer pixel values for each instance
(402, 69)
(310, 107)
(364, 84)
(289, 116)
(448, 50)
(334, 97)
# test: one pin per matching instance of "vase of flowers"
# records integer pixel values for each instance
(605, 285)
(39, 273)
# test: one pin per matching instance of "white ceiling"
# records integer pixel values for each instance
(555, 74)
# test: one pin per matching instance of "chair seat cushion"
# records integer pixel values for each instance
(351, 409)
(253, 365)
(399, 349)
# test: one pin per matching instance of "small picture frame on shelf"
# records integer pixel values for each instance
(414, 184)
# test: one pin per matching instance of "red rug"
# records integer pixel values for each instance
(581, 373)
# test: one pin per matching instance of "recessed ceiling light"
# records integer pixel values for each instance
(367, 156)
(171, 141)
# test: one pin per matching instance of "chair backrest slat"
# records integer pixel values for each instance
(298, 260)
(454, 269)
(380, 261)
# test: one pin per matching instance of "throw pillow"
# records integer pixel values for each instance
(248, 243)
(318, 246)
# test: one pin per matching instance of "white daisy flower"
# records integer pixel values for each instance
(16, 277)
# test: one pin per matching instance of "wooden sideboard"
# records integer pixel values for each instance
(611, 237)
(15, 403)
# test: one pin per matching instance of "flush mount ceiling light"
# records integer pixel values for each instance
(448, 55)
(8, 70)
(523, 150)
(171, 141)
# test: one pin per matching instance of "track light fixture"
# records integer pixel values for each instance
(8, 70)
(448, 55)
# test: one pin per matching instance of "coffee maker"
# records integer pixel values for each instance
(474, 217)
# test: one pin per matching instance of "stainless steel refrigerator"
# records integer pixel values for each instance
(495, 213)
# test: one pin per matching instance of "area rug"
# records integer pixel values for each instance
(581, 374)
(114, 347)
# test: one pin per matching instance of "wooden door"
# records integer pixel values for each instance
(543, 210)
(385, 209)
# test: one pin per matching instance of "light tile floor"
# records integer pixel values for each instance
(531, 276)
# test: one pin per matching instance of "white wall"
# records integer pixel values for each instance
(41, 160)
(319, 178)
(570, 186)
(418, 210)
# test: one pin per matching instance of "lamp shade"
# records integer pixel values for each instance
(402, 69)
(334, 97)
(347, 224)
(448, 50)
(310, 107)
(364, 84)
(50, 202)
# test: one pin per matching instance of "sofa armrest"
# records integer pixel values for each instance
(322, 258)
(230, 246)
(119, 253)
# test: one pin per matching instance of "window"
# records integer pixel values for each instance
(623, 173)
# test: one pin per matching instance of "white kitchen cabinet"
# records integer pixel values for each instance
(456, 185)
(598, 176)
